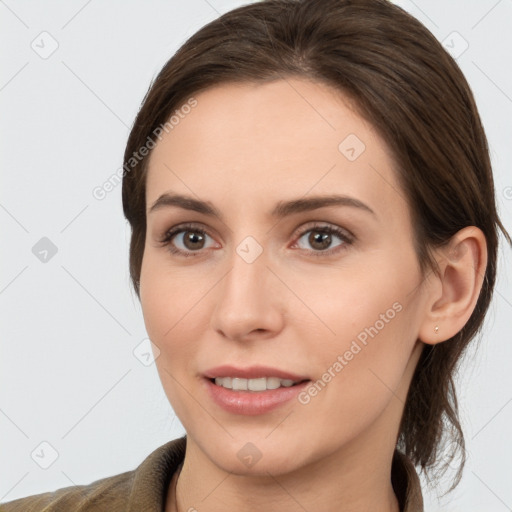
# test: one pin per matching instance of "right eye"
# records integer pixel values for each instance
(189, 236)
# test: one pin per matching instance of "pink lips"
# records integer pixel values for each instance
(252, 372)
(252, 403)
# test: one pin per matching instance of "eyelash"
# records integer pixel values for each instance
(320, 228)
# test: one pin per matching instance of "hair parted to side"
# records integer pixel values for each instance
(410, 89)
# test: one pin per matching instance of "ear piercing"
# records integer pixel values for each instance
(436, 329)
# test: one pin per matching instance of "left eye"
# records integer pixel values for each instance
(320, 238)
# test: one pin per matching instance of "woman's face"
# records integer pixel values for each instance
(267, 285)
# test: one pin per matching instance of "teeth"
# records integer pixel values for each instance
(257, 384)
(273, 383)
(260, 384)
(239, 384)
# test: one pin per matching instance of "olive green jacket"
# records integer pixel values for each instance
(144, 489)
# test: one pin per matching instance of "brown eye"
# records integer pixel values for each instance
(186, 240)
(320, 240)
(193, 240)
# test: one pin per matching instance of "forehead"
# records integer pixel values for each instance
(254, 144)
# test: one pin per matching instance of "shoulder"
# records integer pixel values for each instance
(109, 493)
(143, 488)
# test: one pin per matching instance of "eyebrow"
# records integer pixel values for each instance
(282, 208)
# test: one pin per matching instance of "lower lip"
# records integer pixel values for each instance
(252, 403)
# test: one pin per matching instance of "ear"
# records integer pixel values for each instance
(452, 295)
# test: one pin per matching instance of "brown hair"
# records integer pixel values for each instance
(411, 90)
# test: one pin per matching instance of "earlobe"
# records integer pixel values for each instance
(453, 293)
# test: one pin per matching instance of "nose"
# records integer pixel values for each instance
(249, 301)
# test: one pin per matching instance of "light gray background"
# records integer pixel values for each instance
(69, 376)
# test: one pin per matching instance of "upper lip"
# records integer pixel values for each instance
(251, 372)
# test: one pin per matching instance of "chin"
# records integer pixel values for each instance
(260, 457)
(266, 466)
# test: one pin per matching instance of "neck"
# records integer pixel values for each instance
(339, 482)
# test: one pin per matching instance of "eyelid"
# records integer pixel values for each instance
(180, 228)
(318, 224)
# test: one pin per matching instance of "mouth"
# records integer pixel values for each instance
(254, 385)
(252, 391)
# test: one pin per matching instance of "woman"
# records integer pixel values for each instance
(314, 244)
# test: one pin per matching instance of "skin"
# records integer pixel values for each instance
(244, 148)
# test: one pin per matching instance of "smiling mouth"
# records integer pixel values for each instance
(255, 385)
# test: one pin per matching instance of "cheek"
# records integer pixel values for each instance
(167, 296)
(358, 373)
(371, 340)
(368, 320)
(349, 300)
(170, 309)
(173, 305)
